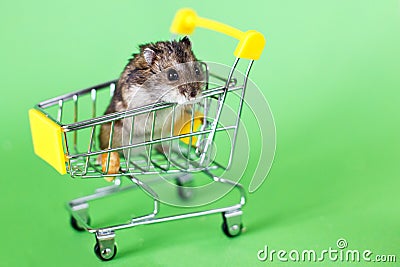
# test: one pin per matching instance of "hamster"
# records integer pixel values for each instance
(165, 71)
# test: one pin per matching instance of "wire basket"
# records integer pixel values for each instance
(65, 129)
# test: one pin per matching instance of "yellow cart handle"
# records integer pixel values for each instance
(251, 43)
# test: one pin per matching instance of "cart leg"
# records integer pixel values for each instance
(152, 193)
(105, 247)
(236, 185)
(80, 216)
(232, 223)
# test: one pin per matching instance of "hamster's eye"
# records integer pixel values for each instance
(173, 75)
(197, 71)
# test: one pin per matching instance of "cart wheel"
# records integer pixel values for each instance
(76, 226)
(105, 255)
(234, 230)
(184, 193)
(232, 223)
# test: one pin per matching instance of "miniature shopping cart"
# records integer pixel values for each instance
(65, 129)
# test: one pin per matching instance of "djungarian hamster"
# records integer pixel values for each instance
(165, 71)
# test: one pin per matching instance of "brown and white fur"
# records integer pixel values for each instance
(165, 71)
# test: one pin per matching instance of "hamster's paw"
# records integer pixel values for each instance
(114, 164)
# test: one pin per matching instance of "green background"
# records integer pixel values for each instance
(330, 72)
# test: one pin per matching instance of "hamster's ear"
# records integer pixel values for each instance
(185, 40)
(149, 55)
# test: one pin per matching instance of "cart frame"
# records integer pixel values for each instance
(69, 158)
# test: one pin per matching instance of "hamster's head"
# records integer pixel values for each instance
(170, 71)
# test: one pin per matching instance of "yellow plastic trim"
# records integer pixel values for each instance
(182, 126)
(47, 140)
(251, 43)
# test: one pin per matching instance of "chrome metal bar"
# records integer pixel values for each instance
(147, 219)
(153, 123)
(168, 218)
(128, 160)
(109, 146)
(98, 176)
(236, 185)
(149, 142)
(218, 115)
(239, 113)
(231, 83)
(60, 110)
(136, 111)
(158, 166)
(100, 194)
(89, 149)
(112, 188)
(189, 147)
(139, 167)
(150, 191)
(67, 153)
(116, 116)
(206, 107)
(75, 99)
(171, 134)
(52, 101)
(93, 94)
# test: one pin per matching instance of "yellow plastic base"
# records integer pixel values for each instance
(183, 125)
